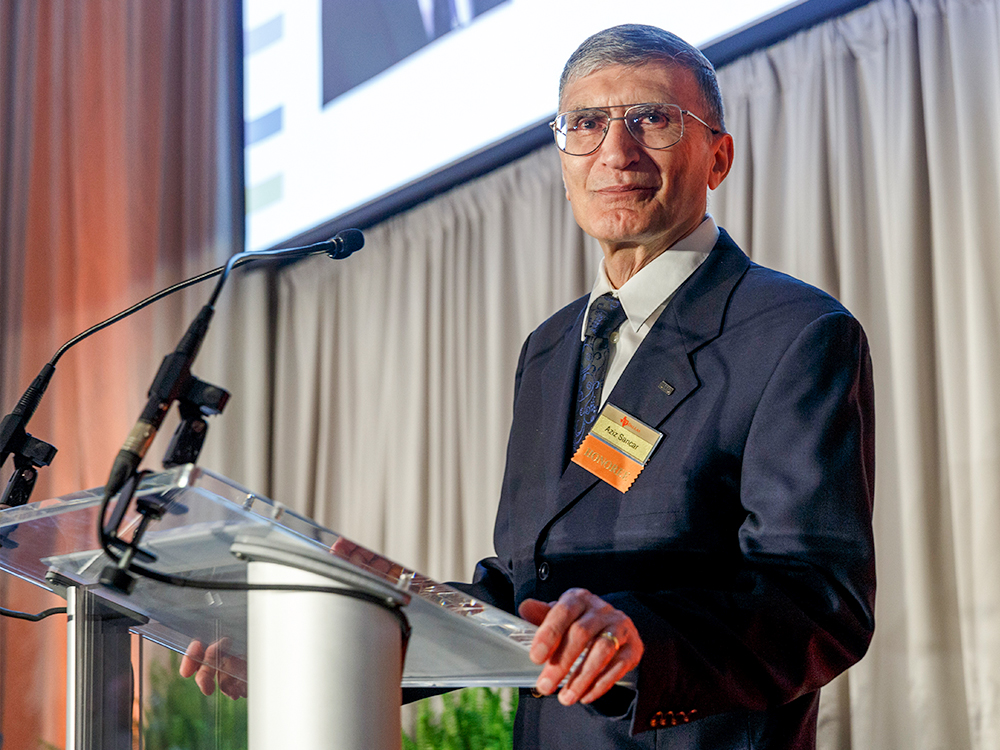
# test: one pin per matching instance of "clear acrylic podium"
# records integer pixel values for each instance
(324, 670)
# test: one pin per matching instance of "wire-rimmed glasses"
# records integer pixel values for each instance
(581, 132)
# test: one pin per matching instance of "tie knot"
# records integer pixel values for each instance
(606, 314)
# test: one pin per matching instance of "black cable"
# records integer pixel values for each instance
(364, 596)
(31, 453)
(180, 581)
(235, 261)
(136, 308)
(385, 603)
(33, 618)
(13, 437)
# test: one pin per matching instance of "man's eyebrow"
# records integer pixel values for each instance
(617, 106)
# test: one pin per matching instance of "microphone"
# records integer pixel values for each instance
(170, 384)
(30, 453)
(339, 247)
(173, 381)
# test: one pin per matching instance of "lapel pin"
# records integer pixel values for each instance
(666, 387)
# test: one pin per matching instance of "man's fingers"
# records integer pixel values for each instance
(534, 611)
(607, 661)
(193, 663)
(559, 619)
(210, 665)
(192, 658)
(569, 628)
(581, 635)
(612, 674)
(565, 633)
(216, 651)
(232, 682)
(204, 678)
(580, 681)
(572, 644)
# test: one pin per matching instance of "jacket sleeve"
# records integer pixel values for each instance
(799, 607)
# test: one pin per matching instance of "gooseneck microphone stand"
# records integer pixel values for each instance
(197, 400)
(30, 454)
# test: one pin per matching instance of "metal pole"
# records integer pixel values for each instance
(99, 673)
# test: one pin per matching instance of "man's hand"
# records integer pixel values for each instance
(581, 622)
(209, 664)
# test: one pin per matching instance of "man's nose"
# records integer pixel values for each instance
(619, 148)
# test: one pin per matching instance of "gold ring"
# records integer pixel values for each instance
(607, 634)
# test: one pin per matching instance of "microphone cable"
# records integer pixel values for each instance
(12, 427)
(4, 612)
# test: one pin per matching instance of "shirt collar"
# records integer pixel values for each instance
(653, 284)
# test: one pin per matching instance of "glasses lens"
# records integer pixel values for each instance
(655, 125)
(581, 131)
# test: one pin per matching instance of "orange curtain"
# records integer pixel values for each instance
(119, 174)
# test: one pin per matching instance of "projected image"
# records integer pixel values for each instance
(360, 40)
(321, 76)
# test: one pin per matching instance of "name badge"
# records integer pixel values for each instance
(617, 448)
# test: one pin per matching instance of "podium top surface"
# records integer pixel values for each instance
(456, 640)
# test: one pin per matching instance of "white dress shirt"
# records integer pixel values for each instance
(646, 294)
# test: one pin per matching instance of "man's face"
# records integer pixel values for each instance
(626, 195)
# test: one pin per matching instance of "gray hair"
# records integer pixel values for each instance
(636, 44)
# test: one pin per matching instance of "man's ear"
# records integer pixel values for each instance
(723, 162)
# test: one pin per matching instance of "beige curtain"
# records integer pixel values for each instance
(117, 156)
(867, 163)
(374, 393)
(394, 368)
(869, 166)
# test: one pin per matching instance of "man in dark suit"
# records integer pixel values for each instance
(734, 575)
(686, 508)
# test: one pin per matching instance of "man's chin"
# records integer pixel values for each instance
(625, 228)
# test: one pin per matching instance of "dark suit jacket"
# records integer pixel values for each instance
(743, 552)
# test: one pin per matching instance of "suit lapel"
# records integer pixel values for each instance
(661, 376)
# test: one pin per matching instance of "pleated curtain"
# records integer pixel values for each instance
(867, 162)
(374, 394)
(119, 175)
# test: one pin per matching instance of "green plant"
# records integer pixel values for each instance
(471, 719)
(178, 717)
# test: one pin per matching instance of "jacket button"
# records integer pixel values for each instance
(543, 571)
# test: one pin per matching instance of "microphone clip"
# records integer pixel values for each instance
(30, 454)
(118, 576)
(199, 400)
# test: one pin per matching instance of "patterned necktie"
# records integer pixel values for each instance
(606, 314)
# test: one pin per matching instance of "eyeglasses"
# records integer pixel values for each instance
(581, 132)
